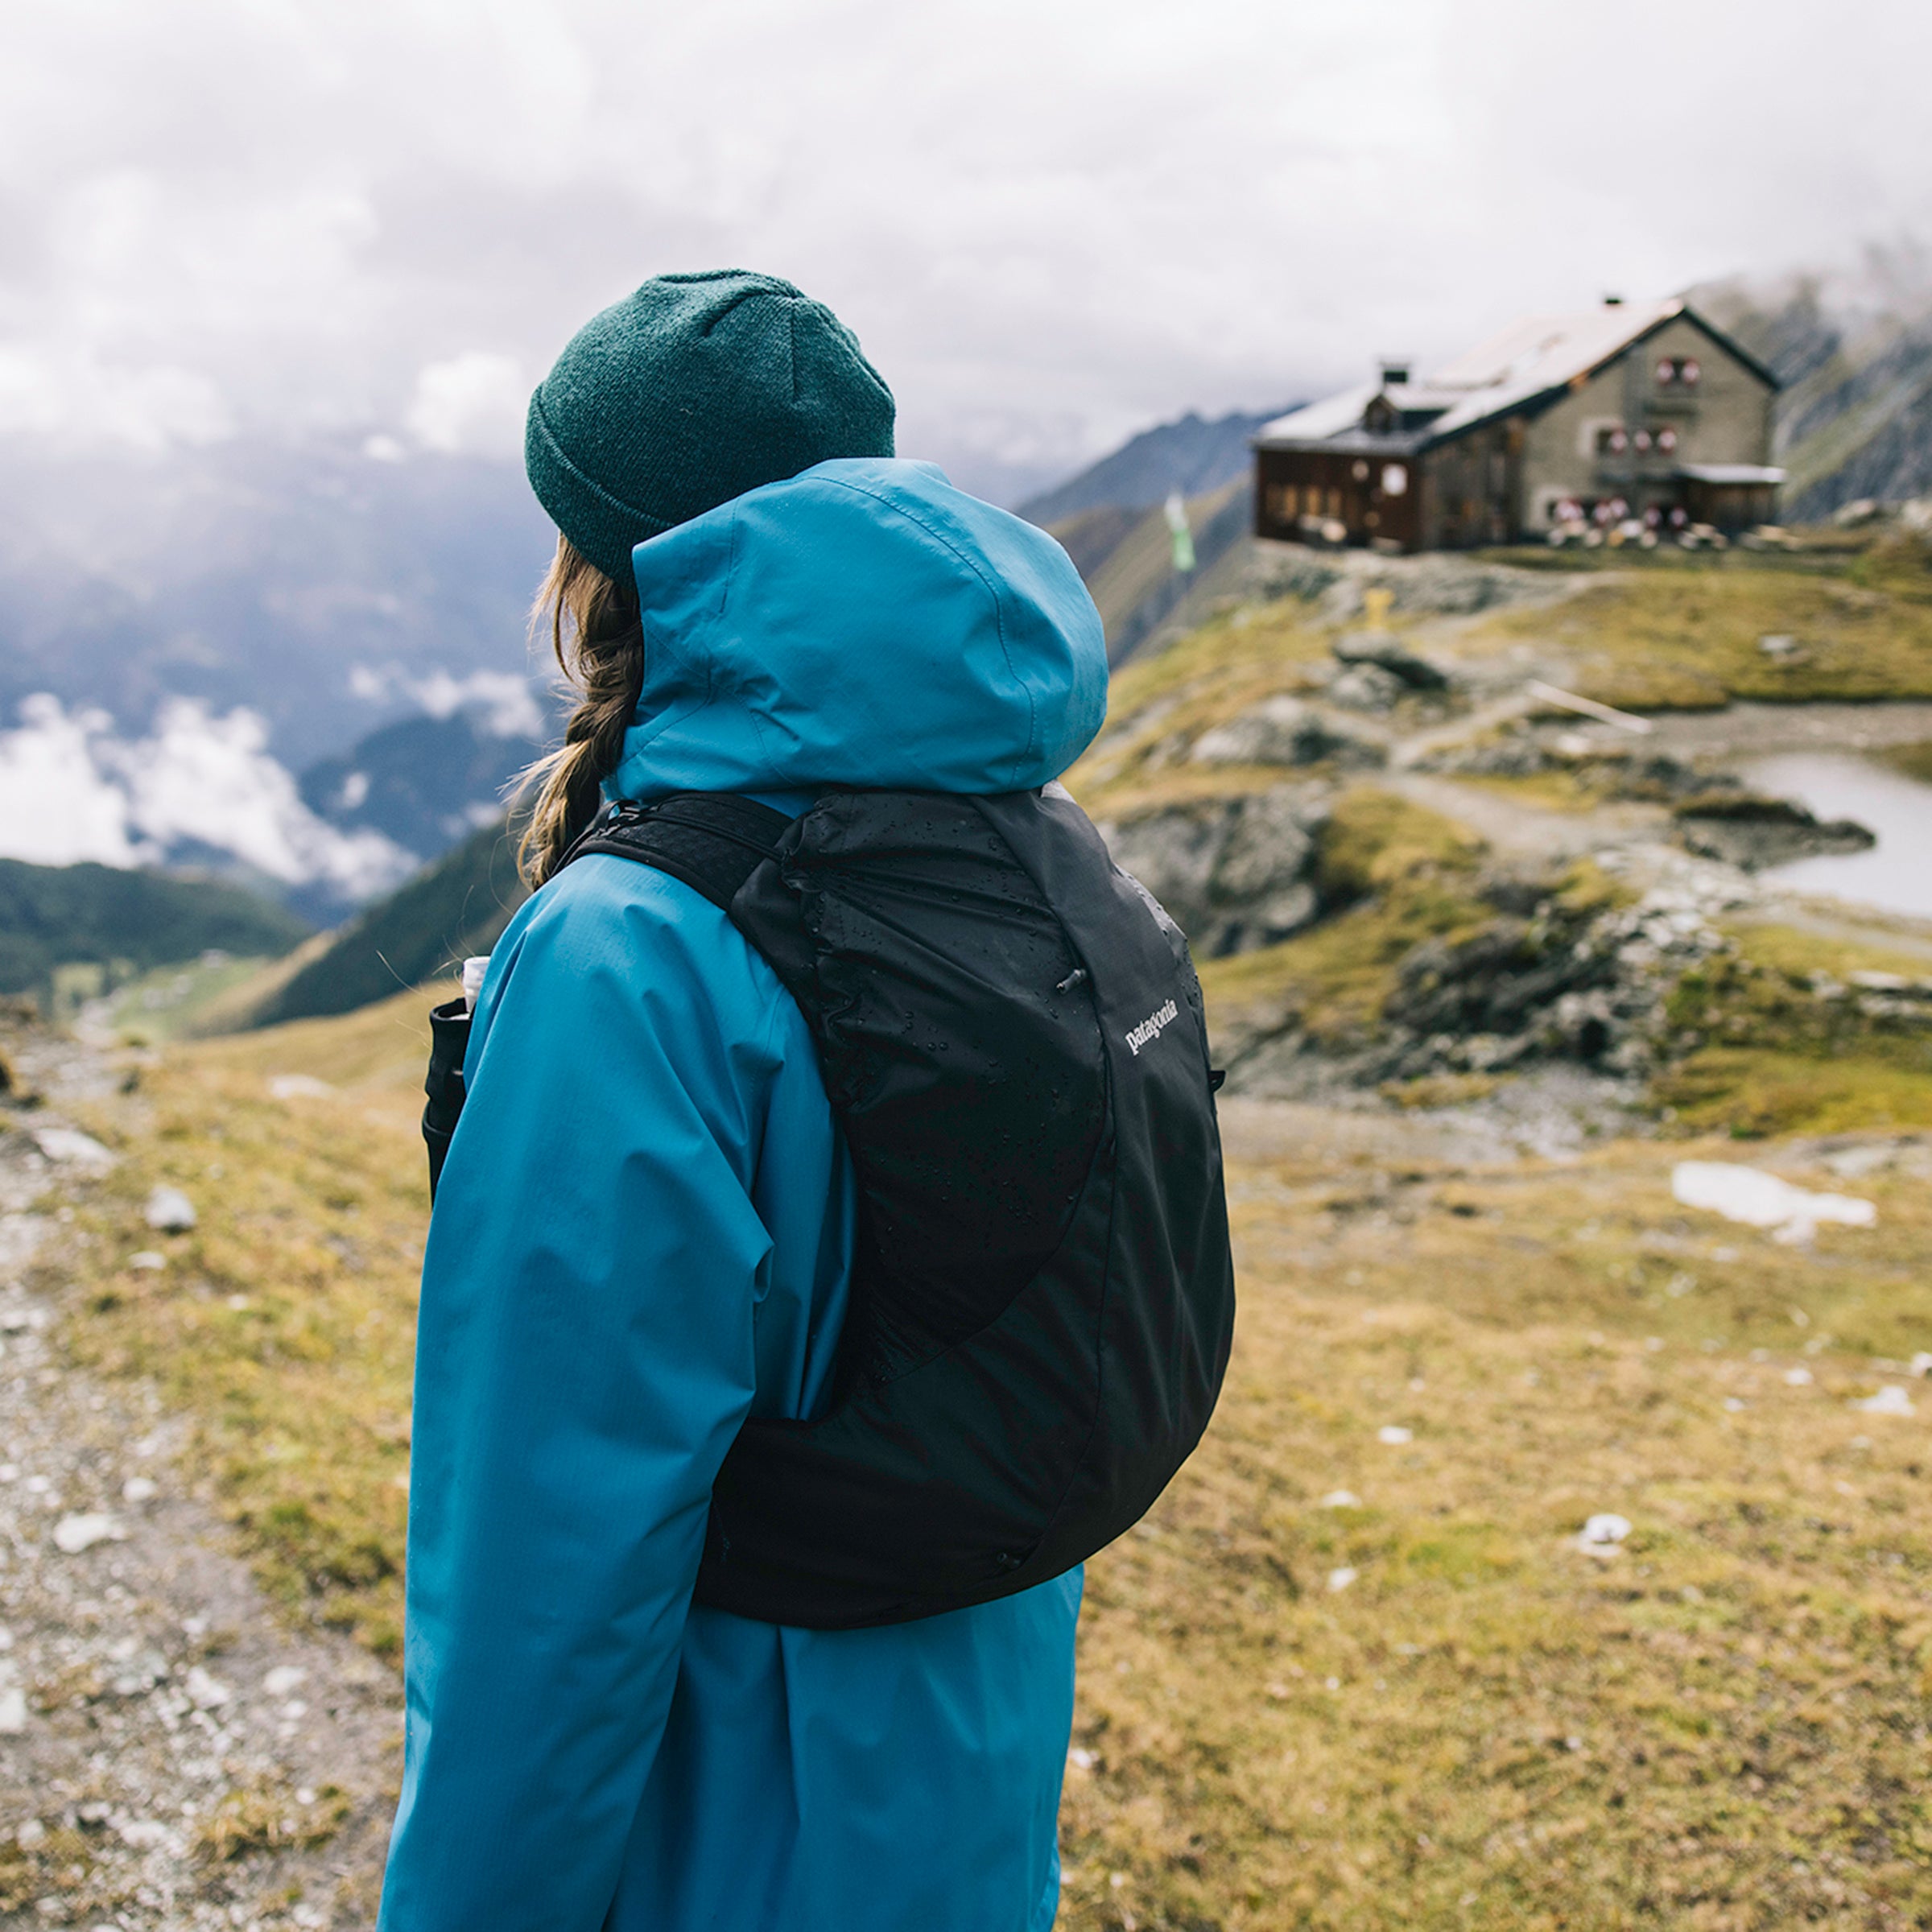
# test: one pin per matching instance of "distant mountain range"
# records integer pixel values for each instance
(425, 782)
(1194, 454)
(195, 640)
(312, 584)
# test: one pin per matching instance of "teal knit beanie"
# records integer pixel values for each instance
(693, 390)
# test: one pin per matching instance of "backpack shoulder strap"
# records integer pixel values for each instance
(712, 841)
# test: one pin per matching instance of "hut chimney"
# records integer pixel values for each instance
(1394, 371)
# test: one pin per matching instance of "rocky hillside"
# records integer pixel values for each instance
(1126, 557)
(1194, 456)
(1109, 518)
(1415, 865)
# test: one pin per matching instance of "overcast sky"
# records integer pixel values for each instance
(1052, 222)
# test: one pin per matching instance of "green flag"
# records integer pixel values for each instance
(1183, 537)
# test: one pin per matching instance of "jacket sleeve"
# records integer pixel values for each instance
(585, 1354)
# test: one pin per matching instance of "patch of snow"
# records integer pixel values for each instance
(13, 1710)
(139, 1489)
(76, 1532)
(284, 1678)
(1341, 1578)
(1764, 1200)
(147, 1260)
(1341, 1499)
(1394, 1434)
(1798, 1378)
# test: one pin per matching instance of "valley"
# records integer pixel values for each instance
(1557, 1557)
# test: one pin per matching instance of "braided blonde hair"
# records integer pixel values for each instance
(599, 644)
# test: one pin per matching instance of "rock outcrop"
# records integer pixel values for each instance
(1284, 730)
(1545, 979)
(1235, 873)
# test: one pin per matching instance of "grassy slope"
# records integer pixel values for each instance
(1744, 1685)
(1721, 1726)
(1686, 639)
(1775, 1060)
(1229, 663)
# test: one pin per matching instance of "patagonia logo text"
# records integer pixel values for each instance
(1149, 1028)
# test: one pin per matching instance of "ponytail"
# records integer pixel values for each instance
(599, 643)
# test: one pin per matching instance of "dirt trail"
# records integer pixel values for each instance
(173, 1753)
(1516, 828)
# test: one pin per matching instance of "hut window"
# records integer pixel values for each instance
(1674, 370)
(1667, 438)
(1395, 479)
(1359, 470)
(1612, 441)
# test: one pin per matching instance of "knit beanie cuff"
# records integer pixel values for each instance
(599, 525)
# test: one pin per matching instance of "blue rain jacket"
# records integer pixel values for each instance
(642, 1236)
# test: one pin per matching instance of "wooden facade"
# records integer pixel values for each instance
(1298, 492)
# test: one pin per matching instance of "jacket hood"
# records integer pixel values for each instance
(863, 623)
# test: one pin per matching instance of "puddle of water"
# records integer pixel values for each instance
(1896, 874)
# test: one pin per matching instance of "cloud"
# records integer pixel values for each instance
(472, 405)
(82, 403)
(56, 807)
(502, 702)
(1049, 225)
(70, 790)
(503, 699)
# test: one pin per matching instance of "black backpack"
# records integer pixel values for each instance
(1011, 1036)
